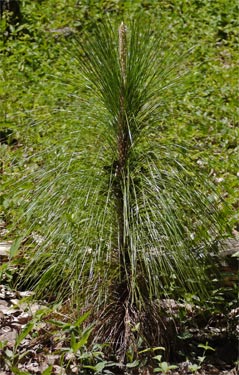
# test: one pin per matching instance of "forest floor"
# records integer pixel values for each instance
(30, 345)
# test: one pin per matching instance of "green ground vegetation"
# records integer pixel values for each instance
(39, 90)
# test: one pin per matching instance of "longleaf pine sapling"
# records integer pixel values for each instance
(125, 211)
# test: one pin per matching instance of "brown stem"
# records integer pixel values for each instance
(122, 151)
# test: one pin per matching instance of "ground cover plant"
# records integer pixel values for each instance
(108, 178)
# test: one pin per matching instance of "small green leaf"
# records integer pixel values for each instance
(100, 366)
(133, 364)
(23, 334)
(9, 353)
(83, 339)
(164, 366)
(47, 371)
(201, 359)
(82, 319)
(3, 344)
(73, 342)
(151, 349)
(194, 367)
(206, 346)
(172, 367)
(158, 348)
(136, 327)
(158, 357)
(145, 350)
(15, 247)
